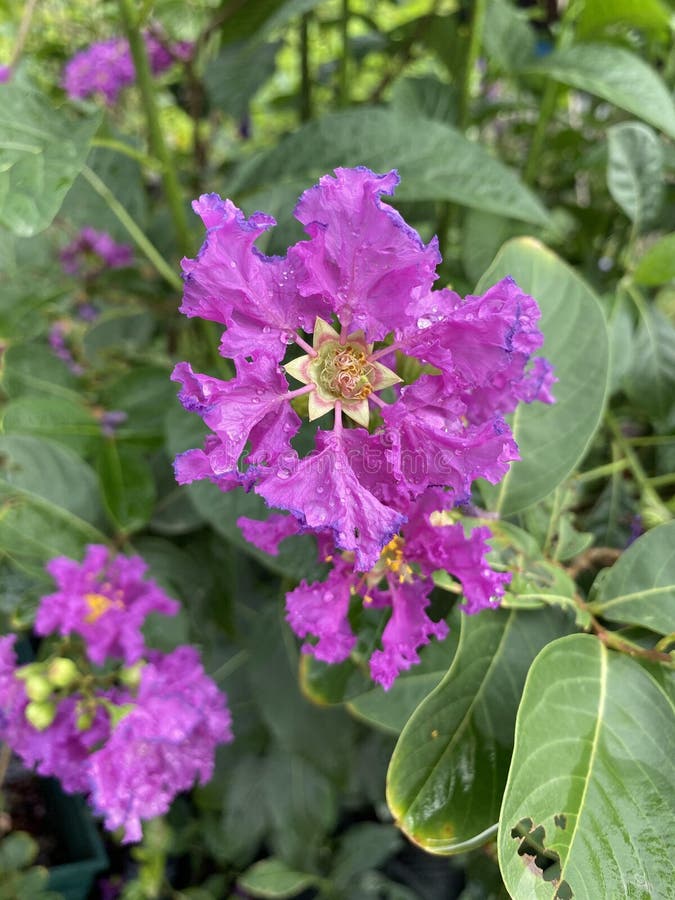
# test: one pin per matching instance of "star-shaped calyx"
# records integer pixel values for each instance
(340, 369)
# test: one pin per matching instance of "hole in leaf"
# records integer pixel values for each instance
(541, 861)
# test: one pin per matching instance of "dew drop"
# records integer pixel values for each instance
(283, 474)
(423, 322)
(260, 392)
(328, 596)
(233, 264)
(255, 399)
(266, 329)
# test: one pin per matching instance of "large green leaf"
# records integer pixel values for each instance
(450, 764)
(635, 171)
(657, 265)
(598, 16)
(49, 500)
(639, 589)
(435, 161)
(588, 808)
(552, 439)
(41, 152)
(62, 419)
(651, 381)
(616, 75)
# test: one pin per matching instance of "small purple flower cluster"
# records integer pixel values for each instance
(131, 735)
(417, 380)
(92, 251)
(58, 342)
(106, 67)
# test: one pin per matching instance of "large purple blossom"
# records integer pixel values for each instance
(92, 251)
(400, 580)
(105, 599)
(107, 67)
(165, 743)
(362, 285)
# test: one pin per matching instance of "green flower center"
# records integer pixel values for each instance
(342, 371)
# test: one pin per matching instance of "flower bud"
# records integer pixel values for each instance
(38, 688)
(40, 715)
(85, 719)
(131, 676)
(62, 672)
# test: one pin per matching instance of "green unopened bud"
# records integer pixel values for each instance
(85, 719)
(26, 671)
(40, 715)
(62, 672)
(38, 688)
(131, 676)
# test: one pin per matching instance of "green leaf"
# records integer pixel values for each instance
(30, 368)
(41, 152)
(657, 265)
(61, 419)
(128, 486)
(49, 500)
(650, 16)
(450, 764)
(273, 878)
(616, 75)
(589, 800)
(17, 850)
(635, 171)
(234, 76)
(424, 96)
(435, 162)
(639, 589)
(552, 439)
(365, 846)
(650, 384)
(508, 36)
(391, 709)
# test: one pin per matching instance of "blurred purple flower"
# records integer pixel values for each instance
(105, 599)
(110, 422)
(92, 251)
(165, 743)
(107, 67)
(362, 284)
(5, 74)
(57, 341)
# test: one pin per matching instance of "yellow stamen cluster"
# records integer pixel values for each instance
(344, 371)
(99, 604)
(394, 560)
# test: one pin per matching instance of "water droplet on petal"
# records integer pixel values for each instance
(423, 322)
(283, 474)
(233, 264)
(328, 596)
(266, 329)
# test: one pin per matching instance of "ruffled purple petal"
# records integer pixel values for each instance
(268, 534)
(363, 259)
(408, 629)
(430, 444)
(231, 282)
(320, 610)
(324, 493)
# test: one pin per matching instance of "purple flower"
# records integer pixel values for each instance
(362, 285)
(5, 74)
(104, 68)
(61, 750)
(162, 745)
(92, 251)
(400, 580)
(107, 67)
(105, 600)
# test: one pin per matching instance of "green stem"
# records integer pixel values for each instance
(539, 136)
(158, 145)
(305, 78)
(473, 50)
(343, 83)
(120, 147)
(652, 440)
(637, 469)
(662, 480)
(24, 29)
(601, 471)
(155, 257)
